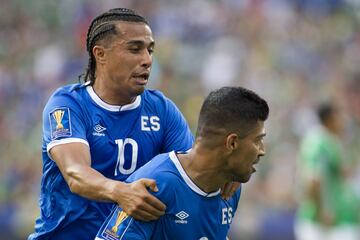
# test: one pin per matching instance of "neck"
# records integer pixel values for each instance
(112, 95)
(201, 165)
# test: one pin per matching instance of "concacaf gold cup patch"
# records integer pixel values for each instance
(60, 123)
(112, 230)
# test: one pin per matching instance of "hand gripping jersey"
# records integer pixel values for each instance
(121, 139)
(191, 214)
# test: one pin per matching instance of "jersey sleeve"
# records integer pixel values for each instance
(178, 135)
(63, 122)
(120, 226)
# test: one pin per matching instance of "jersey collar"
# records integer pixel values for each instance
(109, 107)
(187, 179)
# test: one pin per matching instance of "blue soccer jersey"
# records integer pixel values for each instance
(191, 214)
(121, 139)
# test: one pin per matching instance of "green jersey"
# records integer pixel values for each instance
(322, 158)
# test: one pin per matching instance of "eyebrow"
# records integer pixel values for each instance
(261, 135)
(140, 42)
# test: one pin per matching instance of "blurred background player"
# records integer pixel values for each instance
(103, 130)
(229, 141)
(328, 209)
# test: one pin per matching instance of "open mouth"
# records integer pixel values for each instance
(256, 162)
(141, 78)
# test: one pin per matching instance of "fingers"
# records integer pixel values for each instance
(150, 183)
(155, 203)
(143, 216)
(142, 205)
(146, 212)
(150, 199)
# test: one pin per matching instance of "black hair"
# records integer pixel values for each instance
(325, 111)
(102, 27)
(231, 108)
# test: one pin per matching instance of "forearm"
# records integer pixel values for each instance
(89, 183)
(74, 162)
(133, 198)
(323, 211)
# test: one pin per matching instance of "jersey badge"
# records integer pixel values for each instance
(98, 130)
(111, 230)
(60, 123)
(181, 216)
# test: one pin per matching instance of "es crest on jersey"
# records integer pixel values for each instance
(60, 123)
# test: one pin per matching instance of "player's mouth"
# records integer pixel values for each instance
(141, 78)
(256, 162)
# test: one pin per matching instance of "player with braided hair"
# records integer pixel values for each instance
(96, 133)
(102, 27)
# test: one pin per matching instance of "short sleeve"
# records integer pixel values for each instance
(63, 122)
(178, 135)
(120, 226)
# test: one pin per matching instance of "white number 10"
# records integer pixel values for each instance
(121, 156)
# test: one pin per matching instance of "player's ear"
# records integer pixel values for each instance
(99, 53)
(231, 142)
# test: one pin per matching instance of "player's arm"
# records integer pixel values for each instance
(74, 162)
(313, 187)
(313, 191)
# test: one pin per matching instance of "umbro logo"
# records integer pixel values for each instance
(182, 215)
(98, 130)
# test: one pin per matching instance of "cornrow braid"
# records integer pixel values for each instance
(100, 28)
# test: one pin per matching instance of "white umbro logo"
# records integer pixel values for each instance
(98, 130)
(182, 216)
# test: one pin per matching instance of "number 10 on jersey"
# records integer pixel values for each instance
(122, 144)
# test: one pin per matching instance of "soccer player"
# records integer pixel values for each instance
(328, 208)
(97, 133)
(228, 143)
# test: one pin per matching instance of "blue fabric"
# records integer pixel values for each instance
(120, 142)
(190, 214)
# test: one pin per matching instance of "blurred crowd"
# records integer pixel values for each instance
(294, 53)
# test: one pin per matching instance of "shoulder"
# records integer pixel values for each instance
(157, 168)
(66, 95)
(157, 100)
(156, 97)
(163, 171)
(154, 94)
(69, 90)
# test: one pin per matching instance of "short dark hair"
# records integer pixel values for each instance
(102, 27)
(325, 110)
(231, 108)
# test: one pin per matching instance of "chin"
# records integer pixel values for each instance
(139, 90)
(243, 179)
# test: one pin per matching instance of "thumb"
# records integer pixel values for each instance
(150, 183)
